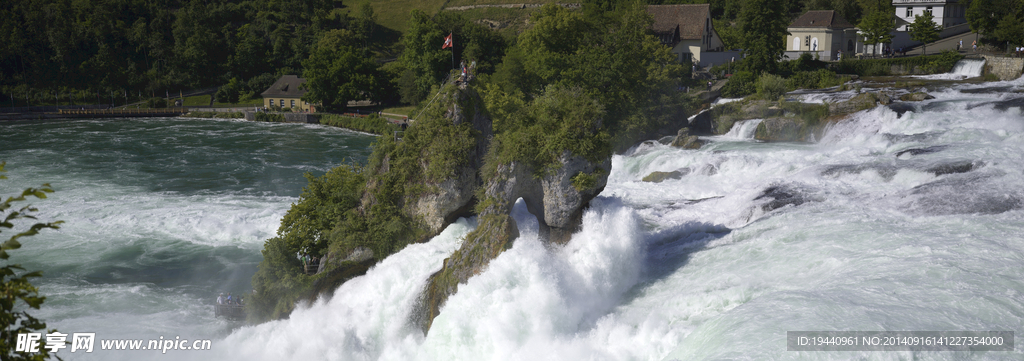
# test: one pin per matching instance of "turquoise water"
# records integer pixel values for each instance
(854, 233)
(160, 215)
(900, 219)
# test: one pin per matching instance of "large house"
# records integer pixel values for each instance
(687, 29)
(950, 15)
(287, 92)
(946, 13)
(823, 33)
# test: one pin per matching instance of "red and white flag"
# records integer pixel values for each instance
(447, 41)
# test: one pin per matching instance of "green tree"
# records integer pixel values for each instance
(1010, 30)
(925, 30)
(982, 15)
(764, 25)
(337, 72)
(16, 290)
(877, 27)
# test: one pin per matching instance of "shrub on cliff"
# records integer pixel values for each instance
(771, 87)
(561, 119)
(741, 84)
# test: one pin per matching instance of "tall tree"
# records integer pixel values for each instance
(338, 72)
(982, 15)
(877, 27)
(764, 25)
(925, 30)
(1010, 29)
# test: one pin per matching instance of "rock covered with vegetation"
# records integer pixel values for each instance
(539, 128)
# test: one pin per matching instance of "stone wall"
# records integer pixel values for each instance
(1003, 67)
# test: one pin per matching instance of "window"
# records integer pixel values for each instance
(928, 11)
(910, 12)
(796, 43)
(271, 102)
(849, 45)
(293, 103)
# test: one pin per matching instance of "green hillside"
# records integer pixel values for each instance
(394, 14)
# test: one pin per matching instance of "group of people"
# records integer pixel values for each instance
(1019, 51)
(307, 260)
(221, 300)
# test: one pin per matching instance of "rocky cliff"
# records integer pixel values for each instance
(555, 193)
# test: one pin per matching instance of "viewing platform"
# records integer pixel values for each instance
(231, 312)
(312, 267)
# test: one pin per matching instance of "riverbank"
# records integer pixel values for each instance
(372, 123)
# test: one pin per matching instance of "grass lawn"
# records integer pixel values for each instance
(454, 3)
(247, 103)
(197, 101)
(394, 14)
(514, 20)
(406, 110)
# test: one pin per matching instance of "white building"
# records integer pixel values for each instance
(950, 15)
(823, 33)
(946, 13)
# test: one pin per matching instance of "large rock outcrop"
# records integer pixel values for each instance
(410, 170)
(556, 198)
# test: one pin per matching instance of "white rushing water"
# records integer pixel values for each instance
(892, 222)
(159, 216)
(963, 69)
(900, 219)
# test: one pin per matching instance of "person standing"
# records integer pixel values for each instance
(974, 45)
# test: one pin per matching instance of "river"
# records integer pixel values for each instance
(895, 220)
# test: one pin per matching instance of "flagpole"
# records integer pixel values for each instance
(453, 48)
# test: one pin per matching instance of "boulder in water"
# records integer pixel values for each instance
(780, 196)
(862, 101)
(686, 141)
(954, 167)
(781, 130)
(658, 177)
(919, 151)
(916, 97)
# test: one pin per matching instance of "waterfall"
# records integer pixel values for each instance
(970, 68)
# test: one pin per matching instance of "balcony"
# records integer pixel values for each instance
(932, 2)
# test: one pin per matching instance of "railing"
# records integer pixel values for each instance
(311, 268)
(923, 1)
(235, 312)
(123, 111)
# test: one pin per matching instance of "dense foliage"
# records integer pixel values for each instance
(17, 294)
(930, 64)
(338, 72)
(615, 62)
(764, 26)
(91, 50)
(424, 64)
(1000, 21)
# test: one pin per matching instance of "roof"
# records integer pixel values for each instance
(286, 87)
(821, 19)
(689, 19)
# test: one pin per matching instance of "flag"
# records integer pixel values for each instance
(447, 42)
